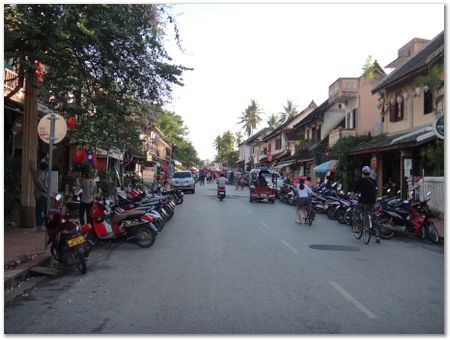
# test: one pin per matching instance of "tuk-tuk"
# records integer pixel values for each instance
(263, 185)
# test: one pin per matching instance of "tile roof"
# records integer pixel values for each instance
(317, 113)
(413, 63)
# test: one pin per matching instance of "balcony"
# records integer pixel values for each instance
(338, 133)
(11, 82)
(304, 146)
(343, 89)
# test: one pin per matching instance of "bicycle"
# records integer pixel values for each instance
(310, 215)
(362, 222)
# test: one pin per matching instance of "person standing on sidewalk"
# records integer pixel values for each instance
(87, 196)
(41, 194)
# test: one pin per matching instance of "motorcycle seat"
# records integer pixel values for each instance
(123, 216)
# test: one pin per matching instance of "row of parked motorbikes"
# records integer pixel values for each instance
(136, 217)
(392, 214)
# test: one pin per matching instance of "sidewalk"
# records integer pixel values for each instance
(24, 249)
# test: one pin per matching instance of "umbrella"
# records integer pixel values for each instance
(326, 166)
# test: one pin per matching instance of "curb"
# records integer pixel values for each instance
(13, 276)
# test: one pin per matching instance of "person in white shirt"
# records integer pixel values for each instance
(303, 201)
(221, 182)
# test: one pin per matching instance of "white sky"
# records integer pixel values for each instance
(275, 52)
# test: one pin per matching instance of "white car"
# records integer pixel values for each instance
(183, 180)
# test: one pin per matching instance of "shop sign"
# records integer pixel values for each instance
(44, 128)
(438, 127)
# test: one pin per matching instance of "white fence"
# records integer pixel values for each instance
(437, 187)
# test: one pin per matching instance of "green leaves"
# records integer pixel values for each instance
(104, 63)
(251, 117)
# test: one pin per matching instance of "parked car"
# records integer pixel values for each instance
(183, 180)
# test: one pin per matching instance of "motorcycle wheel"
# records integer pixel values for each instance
(179, 200)
(221, 199)
(348, 217)
(433, 234)
(80, 261)
(385, 232)
(145, 237)
(341, 216)
(331, 213)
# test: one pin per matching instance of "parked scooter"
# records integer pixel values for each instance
(408, 218)
(107, 224)
(67, 244)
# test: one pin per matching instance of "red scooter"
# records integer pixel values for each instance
(407, 218)
(109, 223)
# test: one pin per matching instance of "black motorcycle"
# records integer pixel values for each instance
(67, 244)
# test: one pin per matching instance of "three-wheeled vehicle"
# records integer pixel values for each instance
(263, 185)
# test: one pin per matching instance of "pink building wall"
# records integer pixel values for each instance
(368, 115)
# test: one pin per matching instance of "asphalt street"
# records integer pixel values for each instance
(236, 267)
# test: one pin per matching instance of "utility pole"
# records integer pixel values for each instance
(29, 152)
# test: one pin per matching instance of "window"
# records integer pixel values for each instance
(350, 121)
(427, 102)
(278, 144)
(396, 110)
(318, 133)
(313, 134)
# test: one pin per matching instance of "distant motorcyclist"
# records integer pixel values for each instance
(221, 181)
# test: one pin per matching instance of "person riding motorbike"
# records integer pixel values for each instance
(221, 182)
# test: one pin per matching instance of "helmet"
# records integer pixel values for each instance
(365, 170)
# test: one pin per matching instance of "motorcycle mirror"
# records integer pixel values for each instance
(388, 191)
(58, 197)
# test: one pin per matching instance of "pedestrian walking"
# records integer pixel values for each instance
(41, 194)
(87, 196)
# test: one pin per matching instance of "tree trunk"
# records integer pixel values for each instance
(29, 152)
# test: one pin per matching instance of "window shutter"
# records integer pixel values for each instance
(392, 113)
(355, 117)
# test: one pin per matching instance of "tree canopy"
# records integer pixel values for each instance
(289, 111)
(104, 63)
(172, 126)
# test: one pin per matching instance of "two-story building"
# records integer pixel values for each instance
(279, 147)
(252, 151)
(407, 114)
(360, 105)
(159, 154)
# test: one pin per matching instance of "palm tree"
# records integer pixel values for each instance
(251, 117)
(274, 121)
(238, 137)
(218, 143)
(289, 111)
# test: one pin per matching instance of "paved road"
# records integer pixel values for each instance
(239, 267)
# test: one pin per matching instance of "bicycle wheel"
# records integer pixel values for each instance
(357, 226)
(366, 230)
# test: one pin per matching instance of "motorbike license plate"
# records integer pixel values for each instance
(75, 241)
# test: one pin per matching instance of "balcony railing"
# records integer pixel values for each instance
(304, 146)
(338, 133)
(11, 81)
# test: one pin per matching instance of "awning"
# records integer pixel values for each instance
(326, 166)
(283, 164)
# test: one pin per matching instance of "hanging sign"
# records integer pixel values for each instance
(438, 127)
(44, 128)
